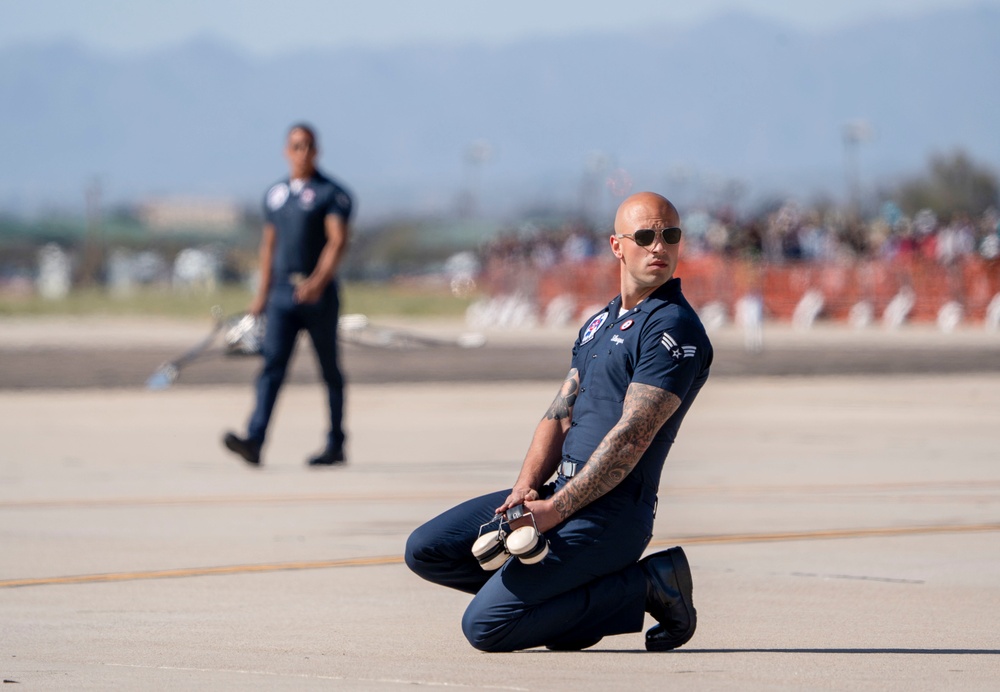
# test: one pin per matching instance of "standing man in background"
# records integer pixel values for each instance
(306, 219)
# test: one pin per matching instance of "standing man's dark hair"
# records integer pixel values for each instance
(304, 240)
(308, 129)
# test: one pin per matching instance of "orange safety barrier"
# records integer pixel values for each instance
(972, 282)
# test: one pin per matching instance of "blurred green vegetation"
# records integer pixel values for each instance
(410, 299)
(953, 184)
(403, 299)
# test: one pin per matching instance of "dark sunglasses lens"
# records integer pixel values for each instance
(644, 237)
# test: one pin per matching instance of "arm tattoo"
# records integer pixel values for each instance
(644, 412)
(562, 406)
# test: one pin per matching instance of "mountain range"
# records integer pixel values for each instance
(738, 106)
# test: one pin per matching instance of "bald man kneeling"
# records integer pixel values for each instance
(555, 560)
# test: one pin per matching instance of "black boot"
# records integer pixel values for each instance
(668, 599)
(330, 457)
(245, 447)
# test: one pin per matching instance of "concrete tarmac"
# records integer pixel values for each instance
(844, 533)
(45, 353)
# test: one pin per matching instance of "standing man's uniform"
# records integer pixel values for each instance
(298, 210)
(590, 584)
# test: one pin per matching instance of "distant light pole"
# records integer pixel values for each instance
(93, 243)
(476, 156)
(591, 189)
(855, 132)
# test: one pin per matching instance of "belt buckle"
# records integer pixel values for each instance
(568, 469)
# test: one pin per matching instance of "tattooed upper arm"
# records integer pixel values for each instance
(562, 406)
(646, 409)
(644, 412)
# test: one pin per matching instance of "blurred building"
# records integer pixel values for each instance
(184, 215)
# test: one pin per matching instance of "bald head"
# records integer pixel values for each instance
(643, 206)
(646, 267)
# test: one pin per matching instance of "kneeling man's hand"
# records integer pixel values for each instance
(546, 516)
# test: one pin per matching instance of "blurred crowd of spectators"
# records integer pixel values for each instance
(543, 246)
(790, 233)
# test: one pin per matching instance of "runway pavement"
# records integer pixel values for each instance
(844, 533)
(63, 353)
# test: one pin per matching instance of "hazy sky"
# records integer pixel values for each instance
(270, 26)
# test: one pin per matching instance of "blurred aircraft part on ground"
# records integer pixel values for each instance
(55, 272)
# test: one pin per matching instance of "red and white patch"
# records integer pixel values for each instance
(626, 324)
(592, 328)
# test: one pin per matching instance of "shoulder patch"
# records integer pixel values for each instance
(277, 196)
(677, 351)
(594, 325)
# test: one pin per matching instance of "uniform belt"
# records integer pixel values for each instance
(630, 484)
(569, 469)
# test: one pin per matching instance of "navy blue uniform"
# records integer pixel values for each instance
(590, 584)
(298, 210)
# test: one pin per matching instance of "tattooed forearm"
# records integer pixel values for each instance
(644, 412)
(562, 406)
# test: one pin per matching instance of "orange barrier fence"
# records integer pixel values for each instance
(971, 283)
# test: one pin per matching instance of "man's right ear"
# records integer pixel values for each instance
(616, 246)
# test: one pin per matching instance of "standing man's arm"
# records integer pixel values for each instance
(545, 450)
(311, 289)
(645, 410)
(265, 255)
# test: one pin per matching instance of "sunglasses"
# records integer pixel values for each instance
(645, 237)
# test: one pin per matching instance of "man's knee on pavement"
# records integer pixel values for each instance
(485, 633)
(419, 554)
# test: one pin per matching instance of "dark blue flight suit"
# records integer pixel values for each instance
(298, 213)
(590, 584)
